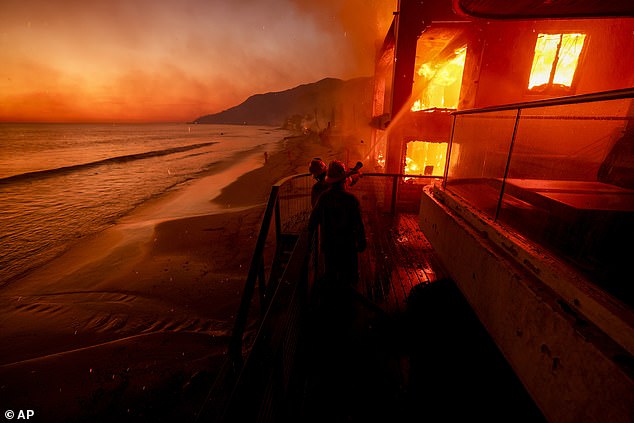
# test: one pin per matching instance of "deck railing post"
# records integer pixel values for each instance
(508, 164)
(278, 224)
(394, 189)
(313, 272)
(448, 160)
(262, 286)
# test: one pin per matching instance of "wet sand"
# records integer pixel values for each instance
(132, 323)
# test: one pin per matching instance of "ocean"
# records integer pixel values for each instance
(62, 182)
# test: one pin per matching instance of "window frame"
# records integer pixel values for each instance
(550, 89)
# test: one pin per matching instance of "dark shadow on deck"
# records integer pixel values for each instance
(413, 350)
(432, 363)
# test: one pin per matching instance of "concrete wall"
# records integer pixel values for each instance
(573, 370)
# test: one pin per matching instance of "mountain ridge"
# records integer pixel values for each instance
(325, 100)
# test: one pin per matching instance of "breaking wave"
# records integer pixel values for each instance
(39, 174)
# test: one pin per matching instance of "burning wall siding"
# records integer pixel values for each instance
(383, 78)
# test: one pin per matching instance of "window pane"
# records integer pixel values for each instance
(425, 158)
(545, 51)
(570, 187)
(479, 152)
(443, 82)
(571, 45)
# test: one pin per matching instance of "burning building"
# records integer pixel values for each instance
(508, 128)
(443, 62)
(523, 112)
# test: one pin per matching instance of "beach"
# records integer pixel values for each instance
(132, 323)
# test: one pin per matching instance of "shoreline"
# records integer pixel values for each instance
(45, 217)
(161, 272)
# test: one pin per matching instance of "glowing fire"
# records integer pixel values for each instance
(425, 158)
(443, 83)
(377, 150)
(556, 58)
(380, 160)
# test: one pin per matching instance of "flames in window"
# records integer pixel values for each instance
(425, 158)
(555, 61)
(443, 83)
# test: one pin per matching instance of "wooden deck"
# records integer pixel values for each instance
(397, 259)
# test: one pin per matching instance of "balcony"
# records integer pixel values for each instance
(558, 173)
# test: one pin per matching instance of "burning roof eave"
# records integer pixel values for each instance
(541, 9)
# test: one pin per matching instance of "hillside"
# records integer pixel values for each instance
(314, 104)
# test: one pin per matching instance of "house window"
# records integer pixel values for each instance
(555, 61)
(441, 81)
(425, 158)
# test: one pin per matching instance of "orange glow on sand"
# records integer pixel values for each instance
(443, 82)
(556, 58)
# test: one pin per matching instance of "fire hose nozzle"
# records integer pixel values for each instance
(356, 167)
(354, 173)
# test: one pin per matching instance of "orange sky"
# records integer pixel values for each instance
(160, 60)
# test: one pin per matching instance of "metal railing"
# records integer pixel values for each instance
(257, 379)
(295, 211)
(289, 208)
(286, 211)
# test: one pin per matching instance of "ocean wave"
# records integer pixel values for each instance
(39, 174)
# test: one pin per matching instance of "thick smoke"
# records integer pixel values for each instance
(362, 23)
(154, 61)
(362, 26)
